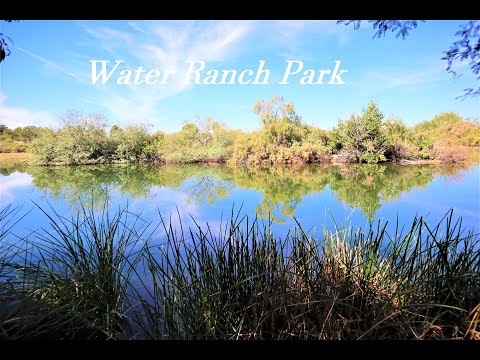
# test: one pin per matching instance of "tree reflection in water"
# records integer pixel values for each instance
(283, 188)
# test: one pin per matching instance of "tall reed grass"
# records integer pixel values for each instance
(105, 276)
(75, 275)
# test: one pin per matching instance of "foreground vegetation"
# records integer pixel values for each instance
(282, 138)
(103, 275)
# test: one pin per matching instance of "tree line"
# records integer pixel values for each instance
(282, 138)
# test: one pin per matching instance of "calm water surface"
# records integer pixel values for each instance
(314, 194)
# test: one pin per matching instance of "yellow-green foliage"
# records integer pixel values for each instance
(81, 141)
(27, 133)
(399, 140)
(282, 139)
(207, 141)
(18, 139)
(396, 129)
(132, 142)
(249, 148)
(445, 129)
(84, 140)
(8, 145)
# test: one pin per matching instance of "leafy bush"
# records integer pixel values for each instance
(282, 139)
(8, 145)
(361, 138)
(445, 129)
(203, 141)
(132, 143)
(82, 140)
(399, 140)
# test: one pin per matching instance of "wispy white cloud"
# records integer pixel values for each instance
(404, 77)
(292, 30)
(108, 36)
(165, 45)
(14, 117)
(51, 64)
(293, 37)
(10, 183)
(136, 26)
(374, 81)
(174, 204)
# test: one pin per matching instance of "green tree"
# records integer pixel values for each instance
(45, 147)
(205, 140)
(190, 134)
(282, 138)
(133, 141)
(447, 132)
(398, 140)
(282, 126)
(396, 129)
(81, 140)
(360, 138)
(27, 133)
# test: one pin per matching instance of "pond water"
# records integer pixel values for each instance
(317, 196)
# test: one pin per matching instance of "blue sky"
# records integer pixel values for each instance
(49, 71)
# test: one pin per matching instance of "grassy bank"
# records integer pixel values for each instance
(103, 275)
(8, 158)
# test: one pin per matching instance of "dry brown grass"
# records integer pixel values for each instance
(15, 157)
(450, 153)
(472, 332)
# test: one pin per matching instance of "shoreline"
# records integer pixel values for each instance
(24, 158)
